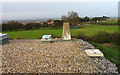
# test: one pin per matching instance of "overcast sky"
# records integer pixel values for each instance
(60, 0)
(22, 9)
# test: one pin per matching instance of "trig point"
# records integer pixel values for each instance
(66, 31)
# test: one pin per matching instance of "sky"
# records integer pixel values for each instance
(60, 0)
(39, 9)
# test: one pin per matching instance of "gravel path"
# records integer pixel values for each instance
(32, 56)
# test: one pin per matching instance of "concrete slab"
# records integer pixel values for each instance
(4, 38)
(94, 53)
(46, 38)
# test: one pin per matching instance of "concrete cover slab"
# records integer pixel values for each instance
(94, 53)
(66, 32)
(3, 36)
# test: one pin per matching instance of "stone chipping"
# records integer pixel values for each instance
(32, 56)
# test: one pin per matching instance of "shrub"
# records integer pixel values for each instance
(105, 37)
(101, 37)
(115, 38)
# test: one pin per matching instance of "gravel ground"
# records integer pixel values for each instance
(0, 58)
(32, 56)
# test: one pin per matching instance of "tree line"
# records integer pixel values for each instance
(18, 26)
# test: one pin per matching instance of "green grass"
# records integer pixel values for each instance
(110, 21)
(35, 34)
(91, 30)
(111, 54)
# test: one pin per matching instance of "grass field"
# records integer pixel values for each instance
(35, 34)
(114, 21)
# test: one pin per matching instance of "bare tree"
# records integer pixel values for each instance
(72, 17)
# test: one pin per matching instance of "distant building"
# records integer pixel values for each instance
(52, 21)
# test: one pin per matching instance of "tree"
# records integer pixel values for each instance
(72, 17)
(100, 18)
(12, 25)
(72, 14)
(86, 19)
(105, 18)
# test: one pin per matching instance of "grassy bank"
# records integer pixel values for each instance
(111, 54)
